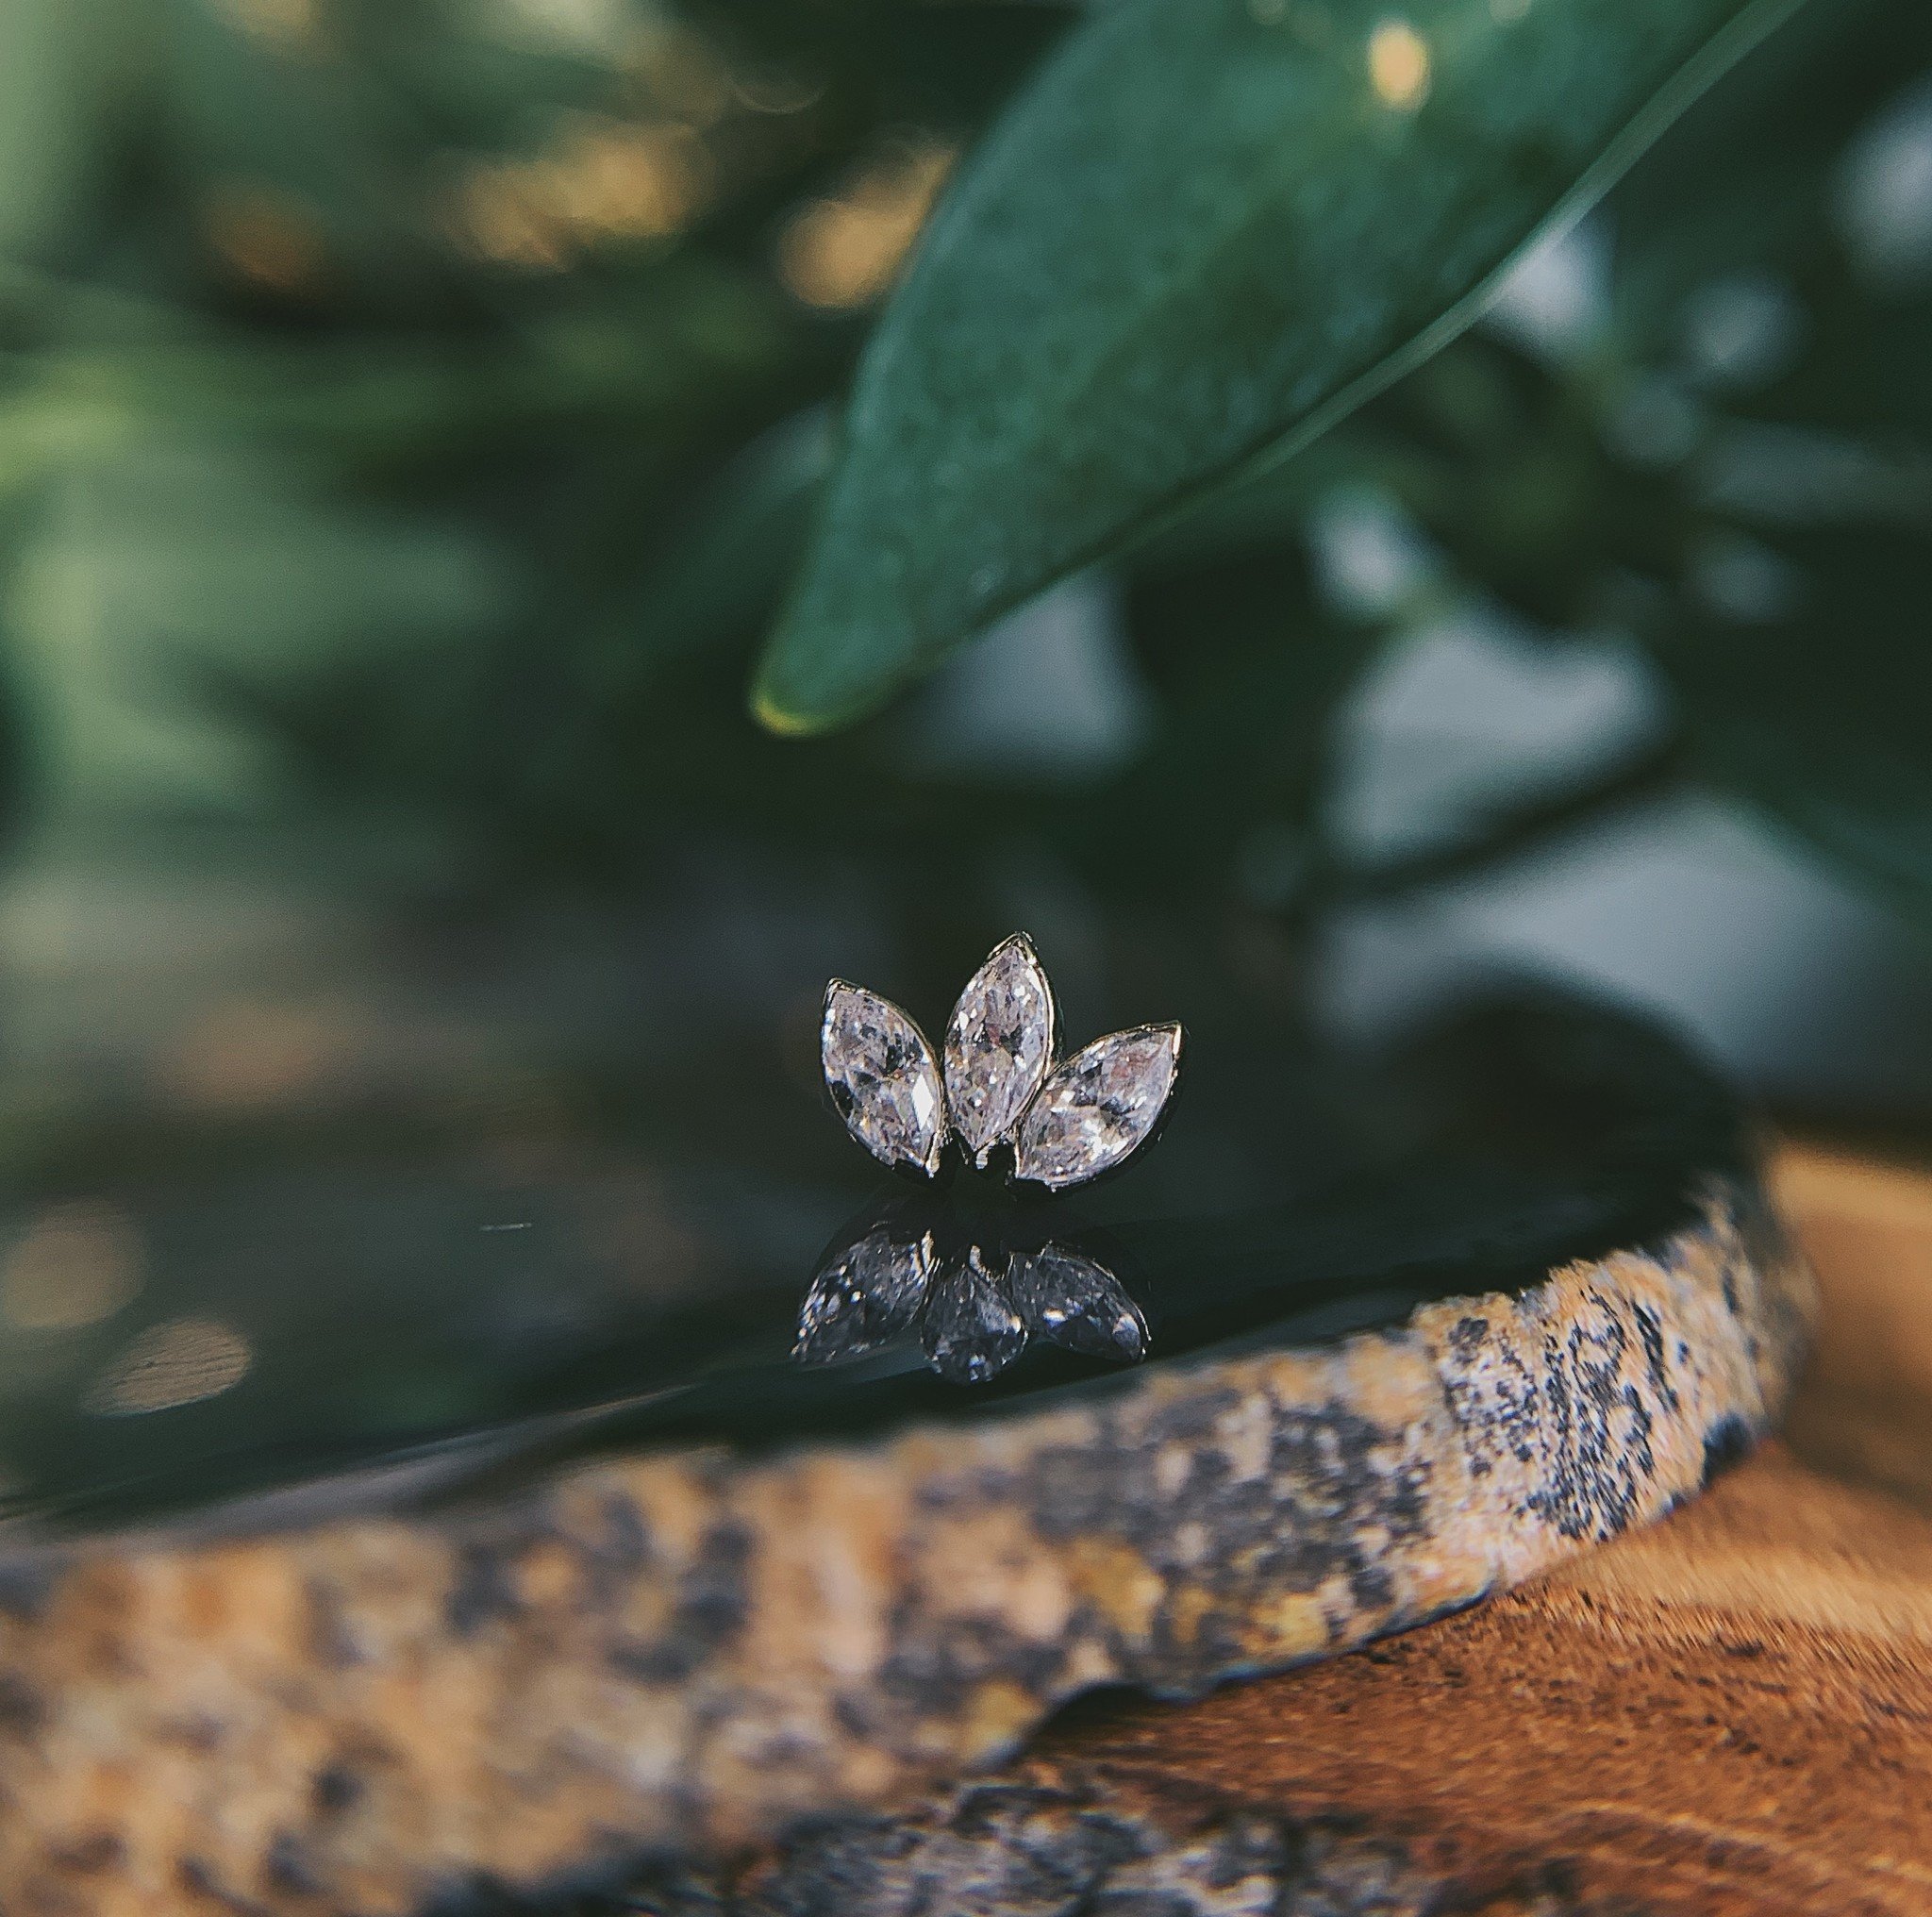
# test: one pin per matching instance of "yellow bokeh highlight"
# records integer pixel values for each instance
(179, 1362)
(289, 22)
(1399, 65)
(75, 1264)
(264, 236)
(599, 180)
(844, 252)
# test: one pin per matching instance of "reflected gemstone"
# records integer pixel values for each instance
(1076, 1303)
(882, 1076)
(999, 1043)
(864, 1298)
(1099, 1107)
(972, 1333)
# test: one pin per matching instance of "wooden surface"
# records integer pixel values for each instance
(1730, 1712)
(1733, 1711)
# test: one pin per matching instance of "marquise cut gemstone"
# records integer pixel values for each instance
(1099, 1107)
(864, 1298)
(970, 1332)
(1076, 1303)
(998, 1044)
(883, 1078)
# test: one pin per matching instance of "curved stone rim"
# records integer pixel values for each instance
(682, 1654)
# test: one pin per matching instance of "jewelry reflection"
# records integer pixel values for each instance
(976, 1312)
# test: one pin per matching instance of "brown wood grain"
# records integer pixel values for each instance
(1730, 1712)
(1865, 1408)
(1727, 1714)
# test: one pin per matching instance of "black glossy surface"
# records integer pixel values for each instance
(580, 1229)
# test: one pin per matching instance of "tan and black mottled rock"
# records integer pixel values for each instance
(1723, 1716)
(681, 1653)
(1726, 1715)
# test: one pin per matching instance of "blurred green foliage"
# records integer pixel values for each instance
(416, 414)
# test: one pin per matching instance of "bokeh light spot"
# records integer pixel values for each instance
(75, 1264)
(1399, 65)
(250, 1055)
(264, 238)
(290, 22)
(179, 1361)
(844, 252)
(599, 180)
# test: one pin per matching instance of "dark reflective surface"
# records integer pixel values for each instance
(417, 1211)
(978, 1283)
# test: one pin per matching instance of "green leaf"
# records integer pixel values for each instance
(1205, 232)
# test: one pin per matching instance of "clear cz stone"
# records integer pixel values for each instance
(998, 1044)
(971, 1333)
(882, 1076)
(1076, 1303)
(864, 1298)
(1098, 1107)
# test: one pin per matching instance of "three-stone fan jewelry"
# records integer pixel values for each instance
(995, 1081)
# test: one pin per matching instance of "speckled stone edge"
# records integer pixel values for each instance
(1056, 1837)
(682, 1654)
